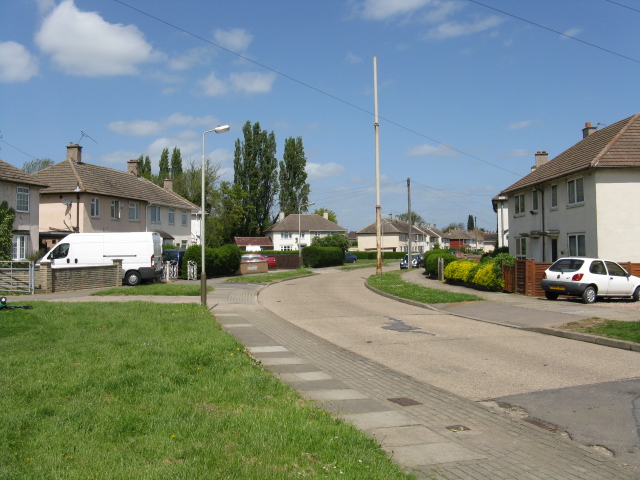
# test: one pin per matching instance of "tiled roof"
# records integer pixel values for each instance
(65, 176)
(309, 222)
(9, 173)
(615, 146)
(258, 241)
(391, 226)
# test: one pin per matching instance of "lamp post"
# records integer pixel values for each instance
(300, 232)
(203, 274)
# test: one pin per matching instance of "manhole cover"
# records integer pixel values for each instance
(404, 401)
(457, 428)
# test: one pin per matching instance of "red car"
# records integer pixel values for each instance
(272, 262)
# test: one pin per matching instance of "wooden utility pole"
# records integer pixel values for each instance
(376, 127)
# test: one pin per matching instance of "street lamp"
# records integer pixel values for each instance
(203, 274)
(300, 232)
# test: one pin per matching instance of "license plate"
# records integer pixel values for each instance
(556, 287)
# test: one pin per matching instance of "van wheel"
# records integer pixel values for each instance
(133, 278)
(589, 295)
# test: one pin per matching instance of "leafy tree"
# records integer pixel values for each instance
(256, 173)
(189, 183)
(33, 166)
(453, 226)
(294, 189)
(145, 167)
(332, 214)
(7, 216)
(176, 163)
(228, 215)
(470, 223)
(415, 218)
(164, 165)
(335, 240)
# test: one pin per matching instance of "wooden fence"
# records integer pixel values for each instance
(525, 276)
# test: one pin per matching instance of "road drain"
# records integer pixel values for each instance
(404, 401)
(458, 428)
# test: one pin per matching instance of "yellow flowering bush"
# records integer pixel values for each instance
(459, 270)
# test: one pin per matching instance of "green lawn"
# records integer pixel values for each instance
(392, 283)
(147, 391)
(269, 277)
(629, 331)
(366, 263)
(162, 289)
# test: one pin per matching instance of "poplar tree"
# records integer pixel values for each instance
(255, 171)
(176, 163)
(294, 189)
(164, 165)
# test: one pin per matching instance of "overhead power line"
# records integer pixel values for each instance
(622, 5)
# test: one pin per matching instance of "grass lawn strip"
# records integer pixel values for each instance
(151, 391)
(160, 289)
(629, 331)
(269, 277)
(392, 283)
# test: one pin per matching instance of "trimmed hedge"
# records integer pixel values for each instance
(221, 261)
(316, 257)
(431, 260)
(486, 274)
(373, 255)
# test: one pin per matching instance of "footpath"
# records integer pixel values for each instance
(429, 432)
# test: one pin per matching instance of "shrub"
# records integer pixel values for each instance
(486, 277)
(224, 260)
(459, 270)
(315, 257)
(431, 262)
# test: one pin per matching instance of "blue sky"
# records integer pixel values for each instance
(467, 91)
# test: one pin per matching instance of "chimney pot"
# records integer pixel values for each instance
(74, 152)
(588, 129)
(542, 157)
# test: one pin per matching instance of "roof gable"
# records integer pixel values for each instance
(66, 176)
(615, 146)
(307, 222)
(389, 227)
(9, 173)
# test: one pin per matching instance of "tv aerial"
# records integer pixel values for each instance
(84, 135)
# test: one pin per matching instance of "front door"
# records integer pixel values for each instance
(554, 249)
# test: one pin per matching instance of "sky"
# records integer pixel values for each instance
(467, 91)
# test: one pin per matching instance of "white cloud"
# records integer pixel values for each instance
(237, 39)
(82, 43)
(252, 82)
(118, 159)
(384, 9)
(16, 63)
(155, 127)
(523, 124)
(352, 58)
(193, 56)
(431, 151)
(458, 29)
(518, 152)
(317, 171)
(213, 86)
(45, 6)
(572, 32)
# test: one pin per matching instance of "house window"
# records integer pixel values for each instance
(155, 214)
(576, 191)
(115, 209)
(521, 247)
(519, 199)
(95, 207)
(184, 218)
(285, 248)
(172, 216)
(554, 196)
(285, 235)
(577, 245)
(183, 244)
(534, 200)
(22, 199)
(317, 234)
(134, 211)
(20, 247)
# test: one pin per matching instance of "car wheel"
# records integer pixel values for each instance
(589, 295)
(636, 295)
(133, 278)
(551, 295)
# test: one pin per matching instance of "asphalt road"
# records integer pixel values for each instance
(591, 391)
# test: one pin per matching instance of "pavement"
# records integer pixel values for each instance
(429, 432)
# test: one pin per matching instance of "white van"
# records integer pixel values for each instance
(141, 253)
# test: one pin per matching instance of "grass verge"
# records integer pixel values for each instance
(269, 277)
(365, 264)
(153, 392)
(160, 289)
(629, 331)
(392, 283)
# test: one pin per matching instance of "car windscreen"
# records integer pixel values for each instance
(567, 265)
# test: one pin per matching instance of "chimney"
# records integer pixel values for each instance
(325, 215)
(168, 184)
(74, 153)
(280, 217)
(541, 158)
(391, 216)
(133, 166)
(588, 130)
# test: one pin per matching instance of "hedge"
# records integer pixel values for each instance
(221, 261)
(431, 260)
(316, 257)
(486, 274)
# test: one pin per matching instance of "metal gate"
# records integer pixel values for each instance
(16, 277)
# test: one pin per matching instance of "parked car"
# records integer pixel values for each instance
(272, 262)
(174, 257)
(417, 261)
(589, 278)
(350, 257)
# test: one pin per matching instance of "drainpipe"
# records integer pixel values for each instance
(542, 221)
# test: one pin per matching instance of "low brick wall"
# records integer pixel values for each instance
(52, 280)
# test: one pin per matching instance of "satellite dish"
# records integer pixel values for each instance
(66, 201)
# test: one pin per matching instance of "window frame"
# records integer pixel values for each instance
(573, 190)
(521, 247)
(554, 197)
(285, 235)
(95, 207)
(172, 216)
(520, 205)
(535, 201)
(22, 197)
(134, 208)
(573, 244)
(116, 207)
(20, 246)
(185, 216)
(155, 214)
